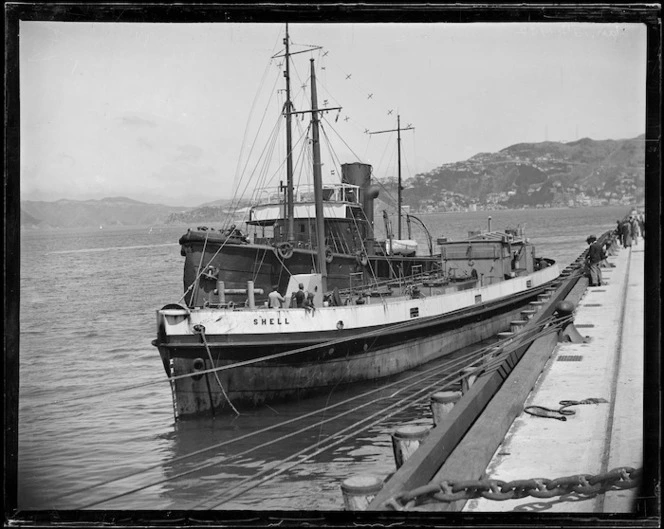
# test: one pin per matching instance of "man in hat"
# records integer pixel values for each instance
(299, 297)
(594, 257)
(276, 300)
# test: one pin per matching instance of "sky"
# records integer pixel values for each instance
(169, 113)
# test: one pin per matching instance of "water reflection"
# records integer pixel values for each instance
(294, 455)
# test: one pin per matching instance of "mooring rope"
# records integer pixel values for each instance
(448, 381)
(243, 363)
(201, 330)
(354, 428)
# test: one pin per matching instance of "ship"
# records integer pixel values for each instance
(372, 308)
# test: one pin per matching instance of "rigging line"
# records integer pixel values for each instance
(446, 381)
(249, 116)
(216, 375)
(434, 372)
(409, 400)
(304, 155)
(258, 269)
(354, 430)
(198, 275)
(254, 143)
(419, 376)
(200, 262)
(357, 156)
(417, 380)
(273, 134)
(266, 157)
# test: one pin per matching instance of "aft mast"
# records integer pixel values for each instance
(318, 182)
(399, 187)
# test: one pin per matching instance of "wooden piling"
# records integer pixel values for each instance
(359, 491)
(469, 376)
(537, 305)
(528, 314)
(442, 403)
(517, 325)
(405, 440)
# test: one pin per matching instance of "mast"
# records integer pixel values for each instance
(289, 213)
(399, 187)
(318, 182)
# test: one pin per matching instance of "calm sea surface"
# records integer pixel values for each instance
(96, 427)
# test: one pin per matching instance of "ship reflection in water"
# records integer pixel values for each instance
(283, 447)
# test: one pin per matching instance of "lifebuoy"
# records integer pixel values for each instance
(362, 258)
(285, 250)
(471, 262)
(328, 255)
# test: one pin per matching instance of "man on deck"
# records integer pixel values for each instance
(275, 298)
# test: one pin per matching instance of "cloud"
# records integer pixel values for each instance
(137, 121)
(189, 153)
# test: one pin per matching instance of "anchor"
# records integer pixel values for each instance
(568, 332)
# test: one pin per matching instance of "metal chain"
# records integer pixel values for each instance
(499, 490)
(549, 413)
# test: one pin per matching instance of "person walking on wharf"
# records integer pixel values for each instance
(276, 299)
(594, 257)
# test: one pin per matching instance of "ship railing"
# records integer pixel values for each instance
(342, 193)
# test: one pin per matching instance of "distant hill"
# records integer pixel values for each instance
(530, 174)
(112, 211)
(583, 172)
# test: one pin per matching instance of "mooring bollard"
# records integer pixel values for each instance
(517, 325)
(536, 305)
(487, 359)
(406, 440)
(505, 335)
(469, 376)
(359, 491)
(528, 313)
(250, 293)
(221, 292)
(442, 403)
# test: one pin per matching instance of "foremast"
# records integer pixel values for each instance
(288, 110)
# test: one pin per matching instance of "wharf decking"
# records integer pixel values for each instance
(598, 437)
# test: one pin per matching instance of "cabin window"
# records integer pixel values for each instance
(478, 298)
(529, 283)
(301, 228)
(414, 312)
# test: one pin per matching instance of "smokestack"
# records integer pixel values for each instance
(359, 174)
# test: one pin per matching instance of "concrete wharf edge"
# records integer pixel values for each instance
(598, 437)
(420, 468)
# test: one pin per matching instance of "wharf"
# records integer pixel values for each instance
(600, 436)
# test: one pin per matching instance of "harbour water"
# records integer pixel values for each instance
(95, 404)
